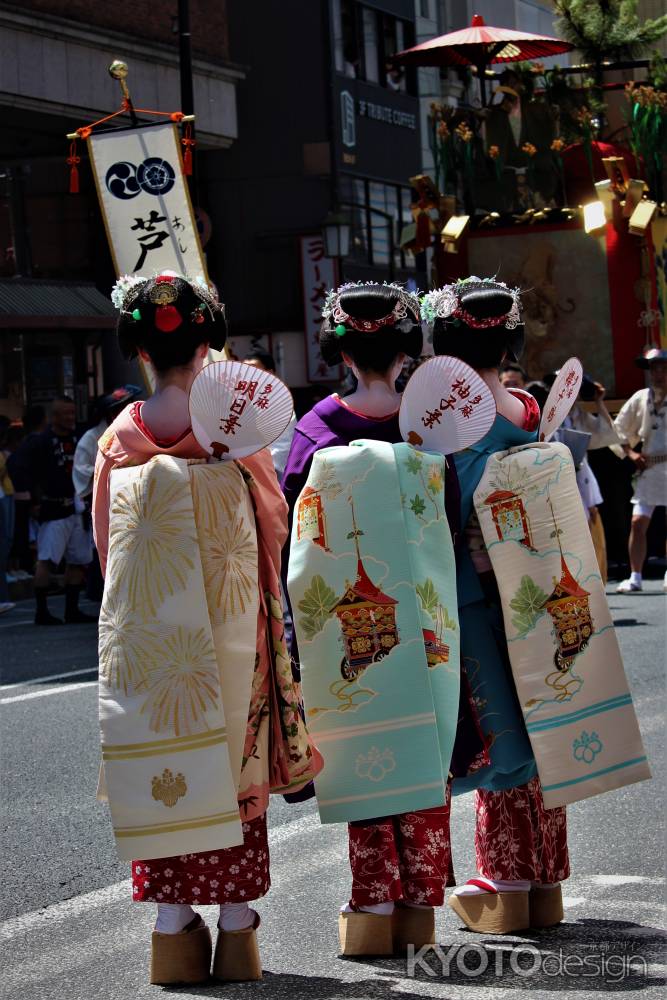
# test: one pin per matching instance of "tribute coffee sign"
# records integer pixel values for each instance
(368, 123)
(384, 113)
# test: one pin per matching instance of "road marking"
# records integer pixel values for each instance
(51, 677)
(42, 694)
(627, 879)
(78, 905)
(18, 621)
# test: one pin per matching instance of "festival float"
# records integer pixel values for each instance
(556, 183)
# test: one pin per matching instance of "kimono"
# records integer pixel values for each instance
(408, 856)
(277, 754)
(516, 838)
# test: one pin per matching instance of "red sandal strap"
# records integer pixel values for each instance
(482, 883)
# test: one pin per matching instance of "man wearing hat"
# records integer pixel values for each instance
(109, 407)
(83, 471)
(512, 123)
(643, 421)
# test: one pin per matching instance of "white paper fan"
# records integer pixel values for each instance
(446, 406)
(561, 398)
(238, 409)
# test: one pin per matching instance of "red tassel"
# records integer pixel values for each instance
(188, 143)
(73, 161)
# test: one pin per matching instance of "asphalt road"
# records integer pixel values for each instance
(69, 929)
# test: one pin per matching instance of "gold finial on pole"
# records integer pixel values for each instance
(119, 70)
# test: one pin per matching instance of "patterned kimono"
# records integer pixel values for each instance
(516, 838)
(405, 857)
(278, 754)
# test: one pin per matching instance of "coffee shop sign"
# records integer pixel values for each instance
(383, 113)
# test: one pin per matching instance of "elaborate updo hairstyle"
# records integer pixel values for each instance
(168, 317)
(372, 324)
(477, 321)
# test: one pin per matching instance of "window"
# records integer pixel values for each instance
(424, 8)
(346, 38)
(393, 39)
(365, 41)
(380, 211)
(371, 46)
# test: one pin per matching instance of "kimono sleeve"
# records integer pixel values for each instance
(100, 510)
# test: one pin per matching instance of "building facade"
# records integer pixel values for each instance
(56, 271)
(326, 125)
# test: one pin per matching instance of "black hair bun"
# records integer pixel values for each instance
(487, 303)
(369, 303)
(169, 317)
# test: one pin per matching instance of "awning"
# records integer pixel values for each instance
(36, 304)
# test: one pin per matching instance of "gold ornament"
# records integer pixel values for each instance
(169, 789)
(163, 293)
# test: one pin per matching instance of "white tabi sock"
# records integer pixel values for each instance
(235, 916)
(636, 578)
(380, 909)
(173, 917)
(492, 885)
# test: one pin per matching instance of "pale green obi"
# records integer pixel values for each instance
(372, 583)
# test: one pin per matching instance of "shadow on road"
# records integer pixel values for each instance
(589, 956)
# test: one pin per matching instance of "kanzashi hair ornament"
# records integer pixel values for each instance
(445, 303)
(167, 318)
(127, 287)
(163, 292)
(404, 315)
(197, 314)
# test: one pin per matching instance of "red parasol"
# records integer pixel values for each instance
(480, 45)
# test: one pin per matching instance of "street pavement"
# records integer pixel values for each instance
(69, 929)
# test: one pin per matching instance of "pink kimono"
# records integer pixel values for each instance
(237, 874)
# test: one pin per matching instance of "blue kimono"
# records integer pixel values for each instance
(483, 645)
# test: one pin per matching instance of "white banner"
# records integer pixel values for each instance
(318, 275)
(145, 201)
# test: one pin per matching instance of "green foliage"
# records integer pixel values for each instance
(429, 596)
(447, 621)
(607, 29)
(417, 505)
(658, 70)
(527, 603)
(316, 605)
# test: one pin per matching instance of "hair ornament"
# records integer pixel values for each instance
(197, 314)
(167, 318)
(445, 303)
(163, 292)
(125, 289)
(340, 330)
(407, 306)
(163, 295)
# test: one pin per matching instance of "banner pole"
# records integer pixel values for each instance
(187, 87)
(118, 71)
